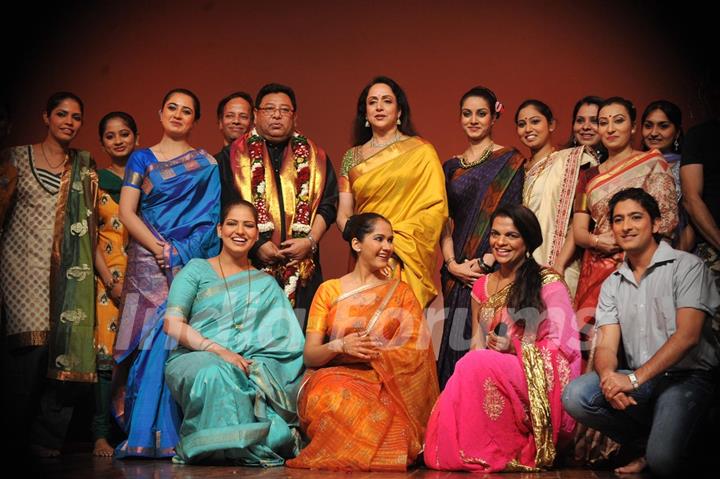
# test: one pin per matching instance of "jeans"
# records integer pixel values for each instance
(670, 408)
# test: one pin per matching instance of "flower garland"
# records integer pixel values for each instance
(300, 228)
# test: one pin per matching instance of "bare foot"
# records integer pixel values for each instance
(103, 448)
(43, 452)
(633, 467)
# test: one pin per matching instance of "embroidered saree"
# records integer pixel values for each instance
(473, 194)
(549, 191)
(404, 183)
(250, 419)
(648, 171)
(368, 416)
(503, 411)
(179, 202)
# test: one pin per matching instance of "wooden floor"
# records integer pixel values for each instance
(83, 465)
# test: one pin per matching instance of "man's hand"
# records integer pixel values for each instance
(269, 253)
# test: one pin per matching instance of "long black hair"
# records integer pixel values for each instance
(362, 133)
(525, 291)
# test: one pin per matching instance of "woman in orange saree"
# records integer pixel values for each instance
(365, 403)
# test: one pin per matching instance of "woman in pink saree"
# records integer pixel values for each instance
(501, 409)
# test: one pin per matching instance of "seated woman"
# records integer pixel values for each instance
(365, 406)
(501, 409)
(237, 369)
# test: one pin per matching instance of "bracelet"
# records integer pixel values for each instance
(204, 346)
(597, 240)
(449, 260)
(313, 243)
(484, 266)
(633, 380)
(342, 348)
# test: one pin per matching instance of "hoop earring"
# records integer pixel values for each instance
(367, 124)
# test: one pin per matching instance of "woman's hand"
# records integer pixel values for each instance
(232, 358)
(159, 253)
(605, 243)
(361, 346)
(501, 344)
(115, 293)
(467, 272)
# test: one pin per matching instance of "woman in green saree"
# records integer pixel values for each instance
(237, 367)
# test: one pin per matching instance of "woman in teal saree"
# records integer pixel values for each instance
(236, 370)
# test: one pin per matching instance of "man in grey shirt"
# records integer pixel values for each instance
(659, 303)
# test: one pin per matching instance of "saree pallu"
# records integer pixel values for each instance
(71, 342)
(549, 192)
(473, 194)
(404, 183)
(249, 419)
(648, 171)
(368, 416)
(112, 243)
(179, 203)
(503, 411)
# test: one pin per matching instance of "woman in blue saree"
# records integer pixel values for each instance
(169, 204)
(237, 369)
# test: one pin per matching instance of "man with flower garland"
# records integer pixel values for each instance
(293, 186)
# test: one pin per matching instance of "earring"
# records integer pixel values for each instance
(398, 121)
(574, 141)
(527, 254)
(367, 124)
(676, 144)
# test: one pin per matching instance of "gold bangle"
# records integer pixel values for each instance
(343, 345)
(597, 241)
(449, 260)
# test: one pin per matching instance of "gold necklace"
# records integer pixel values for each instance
(47, 160)
(232, 305)
(485, 155)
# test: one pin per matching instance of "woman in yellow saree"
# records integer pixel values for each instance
(365, 404)
(392, 172)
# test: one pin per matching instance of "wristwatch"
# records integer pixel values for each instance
(633, 380)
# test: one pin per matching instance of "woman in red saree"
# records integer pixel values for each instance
(624, 168)
(501, 410)
(365, 403)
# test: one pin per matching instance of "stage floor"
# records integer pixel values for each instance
(83, 465)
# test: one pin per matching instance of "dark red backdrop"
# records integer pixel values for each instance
(126, 55)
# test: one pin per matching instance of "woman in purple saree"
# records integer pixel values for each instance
(501, 409)
(170, 204)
